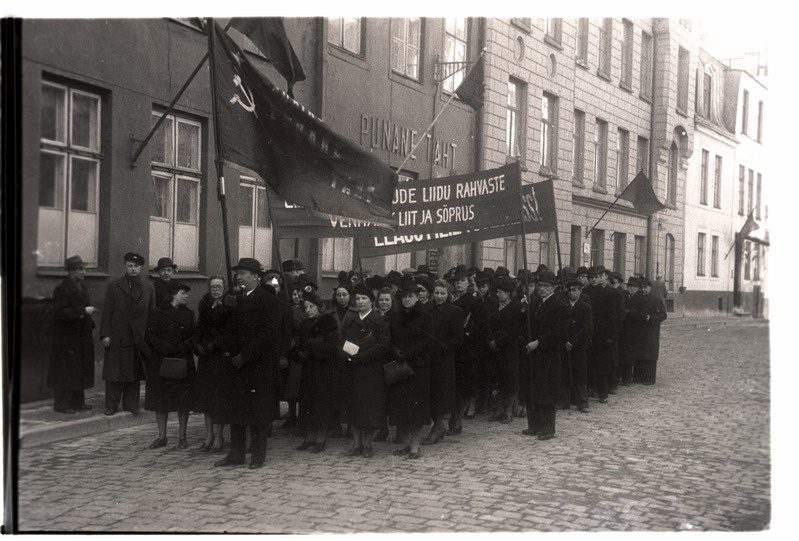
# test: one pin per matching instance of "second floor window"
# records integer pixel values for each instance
(683, 75)
(255, 233)
(578, 146)
(455, 49)
(605, 47)
(553, 30)
(514, 118)
(703, 177)
(741, 189)
(582, 41)
(717, 183)
(647, 54)
(600, 153)
(345, 32)
(549, 131)
(406, 44)
(627, 56)
(622, 159)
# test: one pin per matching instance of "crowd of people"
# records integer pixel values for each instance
(407, 350)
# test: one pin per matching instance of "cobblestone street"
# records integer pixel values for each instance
(691, 453)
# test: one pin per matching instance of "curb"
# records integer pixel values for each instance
(63, 430)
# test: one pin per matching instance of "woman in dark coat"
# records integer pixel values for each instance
(211, 396)
(412, 339)
(316, 350)
(72, 358)
(504, 321)
(448, 327)
(364, 393)
(170, 333)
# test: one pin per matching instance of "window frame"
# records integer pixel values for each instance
(582, 38)
(683, 79)
(745, 113)
(452, 82)
(741, 189)
(258, 190)
(342, 34)
(578, 148)
(553, 31)
(548, 147)
(700, 254)
(704, 167)
(600, 154)
(605, 54)
(673, 175)
(518, 125)
(717, 176)
(406, 46)
(647, 65)
(597, 247)
(714, 256)
(639, 255)
(620, 252)
(626, 81)
(622, 158)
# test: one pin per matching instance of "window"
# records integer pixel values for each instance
(255, 233)
(639, 257)
(714, 256)
(745, 113)
(69, 175)
(620, 253)
(622, 159)
(549, 132)
(757, 202)
(669, 263)
(747, 260)
(683, 74)
(554, 28)
(760, 122)
(605, 47)
(336, 254)
(707, 85)
(544, 243)
(514, 117)
(674, 165)
(575, 254)
(700, 254)
(175, 176)
(454, 49)
(717, 183)
(647, 54)
(578, 147)
(597, 247)
(751, 200)
(756, 263)
(703, 174)
(582, 41)
(627, 56)
(509, 254)
(741, 189)
(642, 155)
(405, 46)
(345, 32)
(600, 153)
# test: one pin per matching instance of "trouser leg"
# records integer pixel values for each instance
(546, 418)
(258, 434)
(113, 394)
(131, 393)
(238, 438)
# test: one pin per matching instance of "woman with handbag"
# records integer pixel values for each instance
(211, 395)
(316, 351)
(170, 369)
(363, 345)
(412, 339)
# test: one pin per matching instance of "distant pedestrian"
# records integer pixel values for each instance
(647, 315)
(72, 358)
(170, 333)
(659, 288)
(166, 271)
(129, 301)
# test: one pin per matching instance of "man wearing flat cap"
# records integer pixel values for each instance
(165, 270)
(128, 304)
(72, 358)
(254, 325)
(646, 316)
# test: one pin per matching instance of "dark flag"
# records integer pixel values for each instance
(269, 35)
(262, 129)
(471, 90)
(749, 226)
(639, 192)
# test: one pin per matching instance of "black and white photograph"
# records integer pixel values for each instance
(408, 269)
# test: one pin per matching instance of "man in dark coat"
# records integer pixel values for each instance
(72, 359)
(544, 339)
(626, 353)
(646, 318)
(574, 377)
(619, 296)
(604, 323)
(128, 304)
(166, 270)
(255, 324)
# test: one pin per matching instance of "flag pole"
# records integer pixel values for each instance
(276, 245)
(607, 210)
(525, 279)
(211, 31)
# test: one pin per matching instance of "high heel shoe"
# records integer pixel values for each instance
(305, 445)
(318, 447)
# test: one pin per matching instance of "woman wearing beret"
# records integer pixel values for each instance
(170, 333)
(412, 339)
(316, 351)
(363, 345)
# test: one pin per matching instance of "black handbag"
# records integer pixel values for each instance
(173, 368)
(395, 371)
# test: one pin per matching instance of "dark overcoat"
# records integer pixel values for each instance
(124, 320)
(605, 328)
(549, 322)
(213, 393)
(254, 326)
(316, 351)
(503, 329)
(72, 356)
(412, 339)
(645, 335)
(161, 288)
(578, 333)
(170, 333)
(363, 389)
(448, 329)
(627, 342)
(472, 353)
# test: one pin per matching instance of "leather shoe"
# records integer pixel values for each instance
(305, 445)
(183, 443)
(158, 443)
(454, 431)
(204, 448)
(403, 451)
(65, 411)
(530, 432)
(367, 452)
(110, 411)
(318, 447)
(506, 419)
(355, 450)
(544, 437)
(603, 400)
(227, 462)
(584, 409)
(255, 465)
(414, 456)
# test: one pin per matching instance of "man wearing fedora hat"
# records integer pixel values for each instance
(165, 270)
(72, 357)
(128, 304)
(600, 352)
(254, 329)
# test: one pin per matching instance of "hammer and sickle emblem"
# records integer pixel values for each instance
(249, 106)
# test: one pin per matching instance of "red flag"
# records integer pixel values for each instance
(269, 35)
(471, 90)
(262, 129)
(639, 192)
(749, 225)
